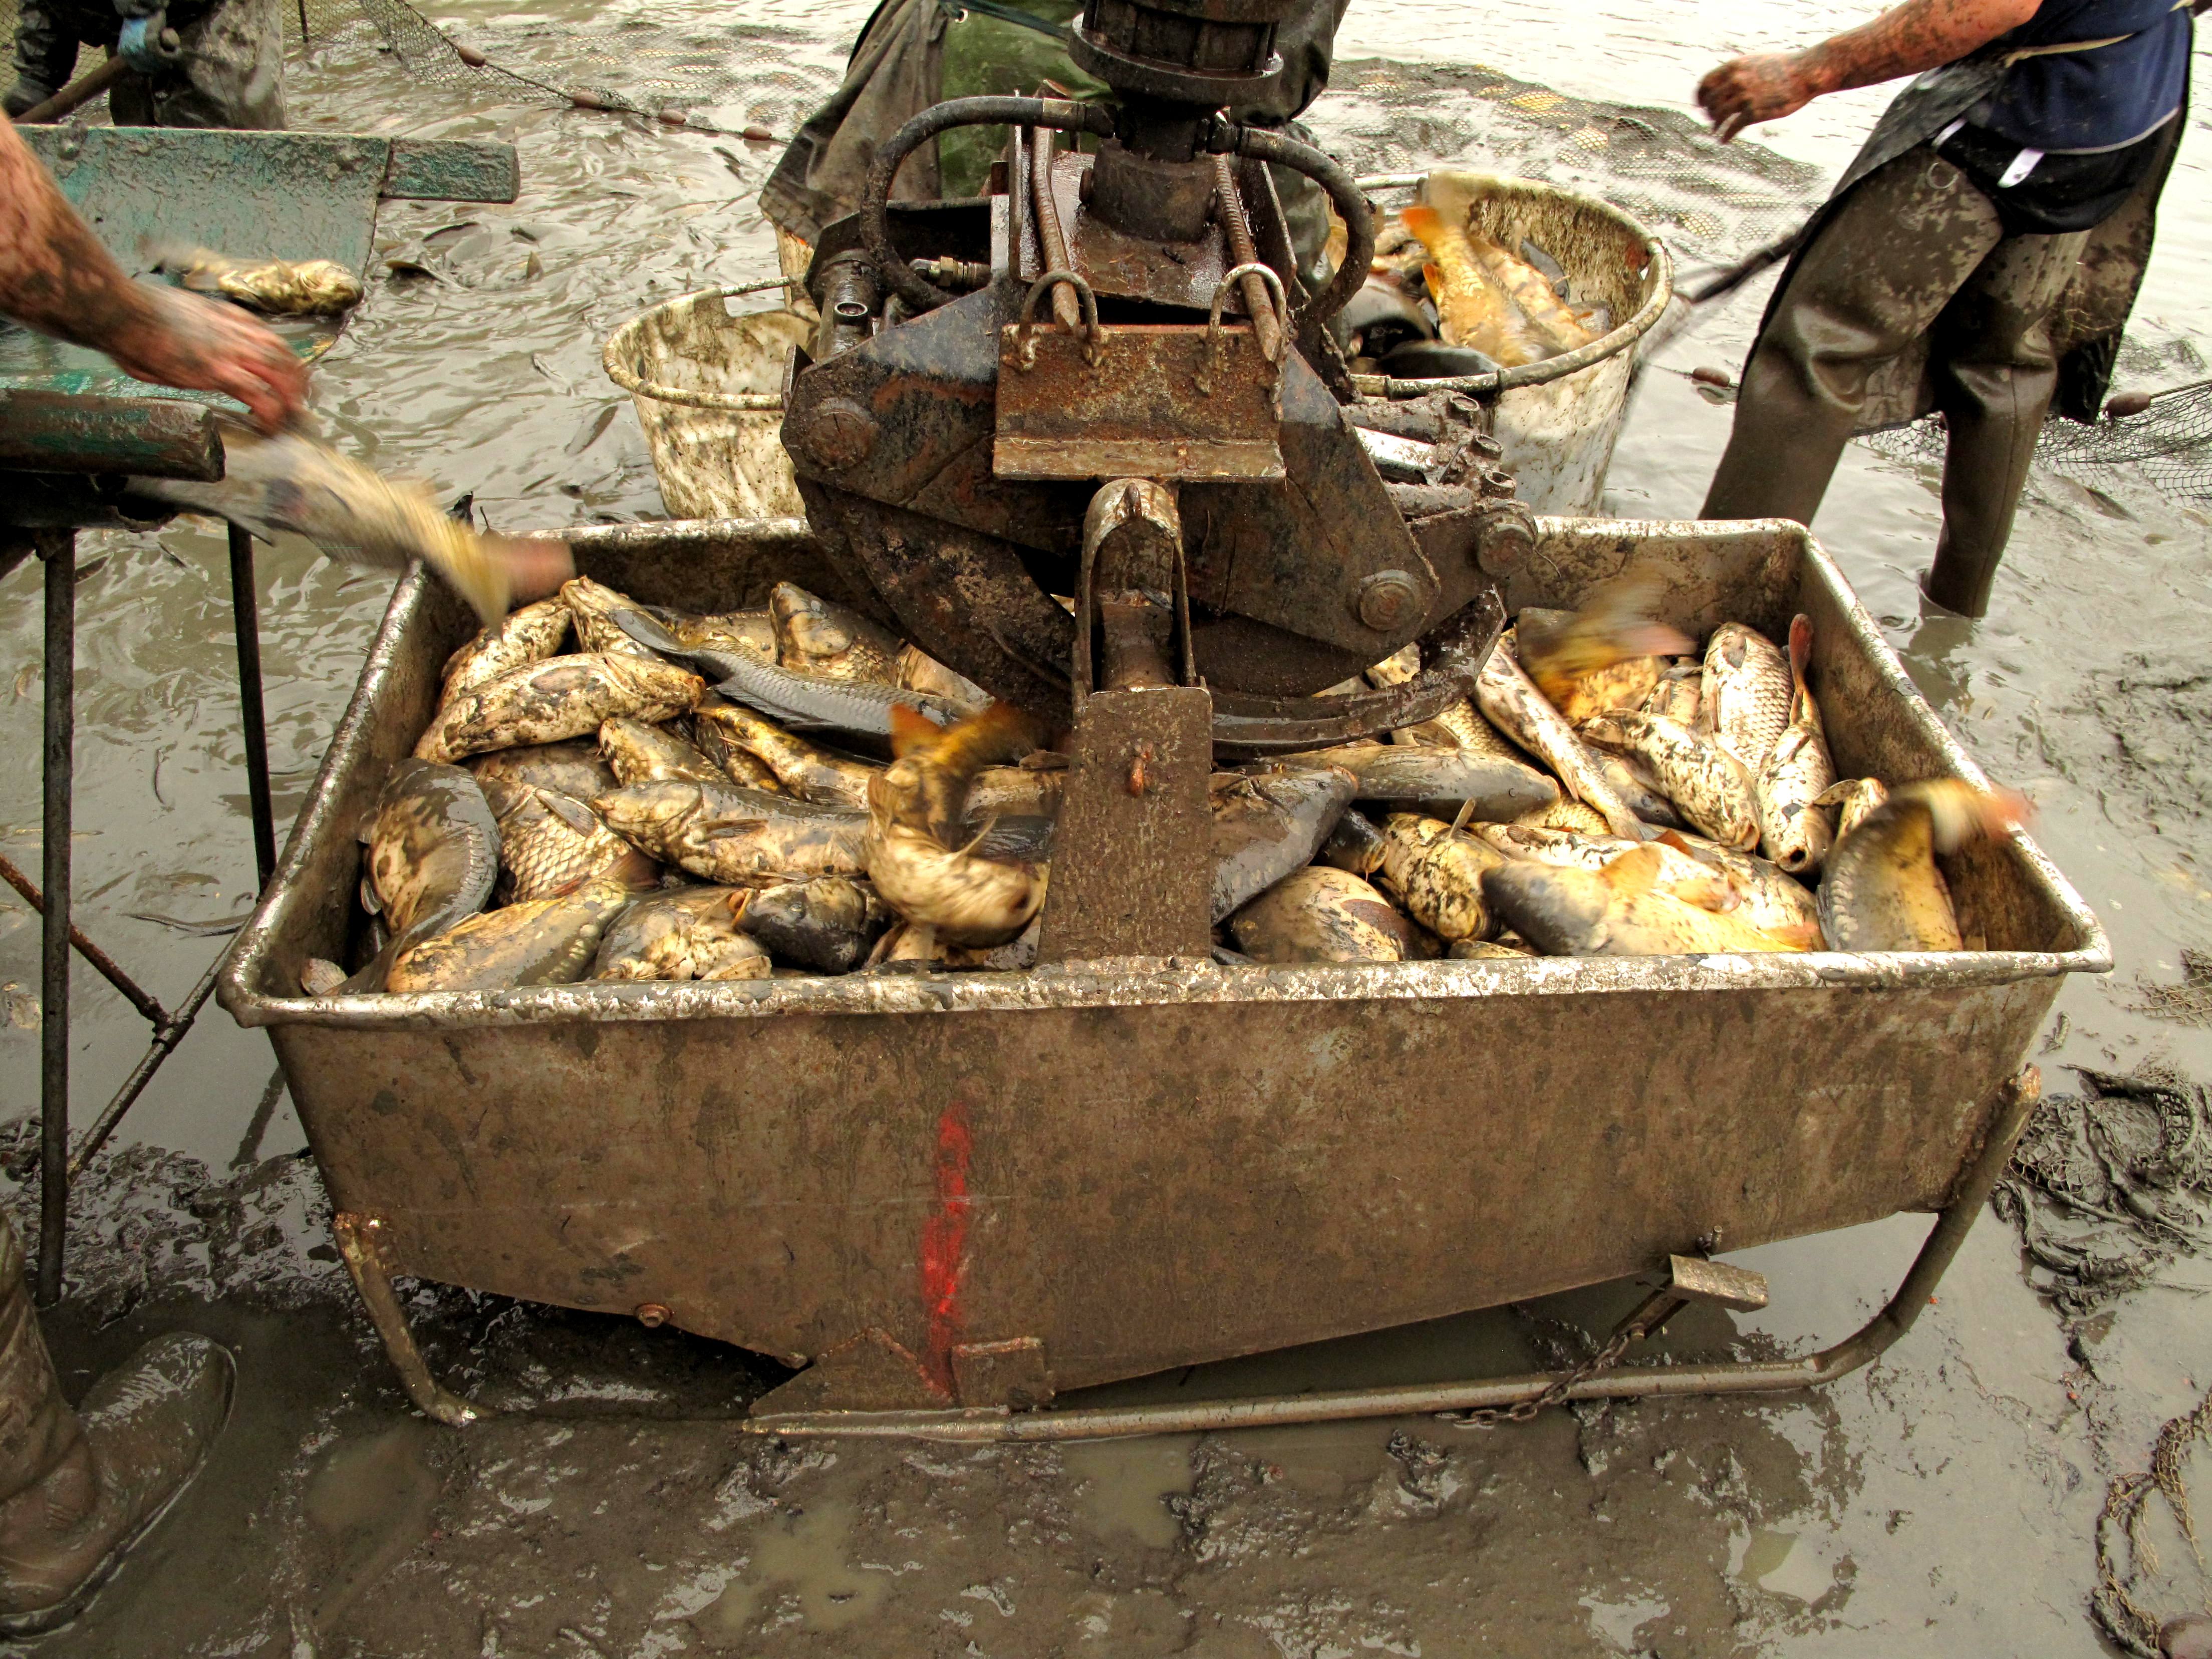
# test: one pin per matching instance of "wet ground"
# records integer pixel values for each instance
(1943, 1501)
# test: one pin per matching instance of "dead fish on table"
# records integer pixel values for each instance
(1268, 824)
(1436, 779)
(1793, 825)
(726, 833)
(570, 768)
(548, 941)
(551, 844)
(1321, 914)
(1708, 784)
(828, 924)
(801, 769)
(1746, 694)
(433, 857)
(916, 814)
(691, 934)
(1882, 890)
(640, 753)
(1620, 910)
(294, 483)
(804, 701)
(282, 288)
(567, 697)
(1509, 699)
(1433, 870)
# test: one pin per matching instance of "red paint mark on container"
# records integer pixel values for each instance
(945, 1244)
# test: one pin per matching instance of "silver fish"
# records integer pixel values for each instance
(804, 701)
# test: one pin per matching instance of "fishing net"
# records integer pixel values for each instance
(2125, 1534)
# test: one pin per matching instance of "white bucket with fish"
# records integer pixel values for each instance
(706, 378)
(1557, 419)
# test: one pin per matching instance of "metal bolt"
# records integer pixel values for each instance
(840, 433)
(652, 1315)
(1388, 601)
(1506, 540)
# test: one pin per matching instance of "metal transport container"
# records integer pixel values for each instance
(955, 1194)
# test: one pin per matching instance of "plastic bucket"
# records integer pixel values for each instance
(1558, 420)
(706, 380)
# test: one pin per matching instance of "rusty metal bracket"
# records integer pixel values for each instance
(360, 1245)
(1027, 327)
(1688, 1279)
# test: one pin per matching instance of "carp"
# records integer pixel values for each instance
(718, 739)
(1268, 824)
(915, 810)
(1793, 826)
(1015, 792)
(827, 924)
(518, 639)
(1566, 815)
(813, 636)
(1620, 910)
(1435, 873)
(1708, 784)
(807, 771)
(751, 631)
(1679, 870)
(1457, 727)
(726, 833)
(1604, 653)
(1767, 899)
(1321, 914)
(433, 857)
(548, 941)
(1437, 780)
(594, 606)
(1472, 310)
(1852, 799)
(1680, 695)
(281, 287)
(567, 697)
(1746, 693)
(551, 844)
(1882, 890)
(639, 753)
(569, 767)
(1509, 699)
(691, 934)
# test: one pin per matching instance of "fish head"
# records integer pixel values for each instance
(641, 810)
(1559, 910)
(656, 681)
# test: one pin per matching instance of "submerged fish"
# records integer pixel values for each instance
(544, 942)
(1882, 890)
(1267, 825)
(639, 753)
(810, 773)
(1852, 799)
(723, 832)
(1793, 825)
(691, 934)
(567, 697)
(1509, 699)
(1603, 654)
(1620, 910)
(828, 924)
(433, 857)
(293, 483)
(551, 844)
(282, 288)
(571, 768)
(1746, 694)
(1321, 914)
(1709, 785)
(1471, 308)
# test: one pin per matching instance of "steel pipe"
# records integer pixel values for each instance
(135, 995)
(168, 1032)
(59, 551)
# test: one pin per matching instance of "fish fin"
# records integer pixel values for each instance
(1963, 813)
(1715, 893)
(1800, 646)
(1673, 838)
(1837, 792)
(1636, 871)
(646, 630)
(1424, 221)
(911, 730)
(570, 811)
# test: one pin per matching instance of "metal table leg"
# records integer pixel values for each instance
(58, 550)
(247, 619)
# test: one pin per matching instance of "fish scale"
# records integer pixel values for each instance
(1747, 692)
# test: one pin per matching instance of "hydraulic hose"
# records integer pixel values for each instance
(1262, 145)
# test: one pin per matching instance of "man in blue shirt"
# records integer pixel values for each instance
(1978, 258)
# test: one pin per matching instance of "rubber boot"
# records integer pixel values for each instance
(46, 56)
(78, 1488)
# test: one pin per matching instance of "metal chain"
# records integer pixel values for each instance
(1488, 1417)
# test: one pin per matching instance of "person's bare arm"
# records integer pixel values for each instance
(56, 278)
(1919, 35)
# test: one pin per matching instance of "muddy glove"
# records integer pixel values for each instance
(148, 45)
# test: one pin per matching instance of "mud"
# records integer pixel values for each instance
(1944, 1502)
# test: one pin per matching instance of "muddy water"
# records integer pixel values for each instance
(1941, 1503)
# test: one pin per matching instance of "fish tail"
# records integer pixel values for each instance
(1963, 812)
(1000, 733)
(911, 729)
(1424, 221)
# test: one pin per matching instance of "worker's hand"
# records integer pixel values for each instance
(200, 345)
(1744, 91)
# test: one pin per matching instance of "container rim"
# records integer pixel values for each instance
(1126, 983)
(617, 369)
(1622, 337)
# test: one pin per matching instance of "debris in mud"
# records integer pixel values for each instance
(2160, 716)
(2189, 1002)
(2122, 1529)
(2110, 1185)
